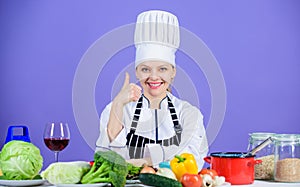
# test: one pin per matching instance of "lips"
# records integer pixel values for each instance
(154, 85)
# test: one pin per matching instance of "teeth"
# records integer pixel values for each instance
(156, 84)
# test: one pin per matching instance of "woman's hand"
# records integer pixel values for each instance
(129, 92)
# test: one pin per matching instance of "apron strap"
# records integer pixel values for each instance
(177, 126)
(136, 115)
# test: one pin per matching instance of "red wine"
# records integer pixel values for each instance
(56, 144)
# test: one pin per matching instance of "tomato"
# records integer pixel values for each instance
(148, 169)
(210, 172)
(91, 163)
(191, 180)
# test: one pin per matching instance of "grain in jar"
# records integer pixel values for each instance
(287, 158)
(265, 169)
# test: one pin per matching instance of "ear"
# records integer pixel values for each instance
(174, 72)
(136, 75)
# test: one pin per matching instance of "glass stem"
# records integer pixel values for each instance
(56, 156)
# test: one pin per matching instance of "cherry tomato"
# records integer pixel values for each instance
(191, 180)
(148, 169)
(210, 172)
(91, 163)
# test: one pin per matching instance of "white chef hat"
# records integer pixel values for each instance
(156, 37)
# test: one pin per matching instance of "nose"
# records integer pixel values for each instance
(154, 75)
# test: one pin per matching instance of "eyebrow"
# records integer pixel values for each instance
(152, 67)
(145, 66)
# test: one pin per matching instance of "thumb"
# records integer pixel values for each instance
(126, 81)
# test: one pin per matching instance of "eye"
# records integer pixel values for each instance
(163, 69)
(145, 70)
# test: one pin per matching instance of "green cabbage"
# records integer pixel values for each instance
(20, 160)
(65, 172)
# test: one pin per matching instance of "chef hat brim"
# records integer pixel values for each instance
(154, 52)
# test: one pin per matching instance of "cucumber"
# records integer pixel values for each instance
(158, 180)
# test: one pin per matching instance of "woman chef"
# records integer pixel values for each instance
(148, 121)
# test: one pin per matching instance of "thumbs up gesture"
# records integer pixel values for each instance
(129, 92)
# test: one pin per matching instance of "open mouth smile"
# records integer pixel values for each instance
(154, 85)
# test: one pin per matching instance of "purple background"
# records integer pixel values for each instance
(256, 43)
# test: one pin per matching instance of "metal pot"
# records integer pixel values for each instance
(234, 166)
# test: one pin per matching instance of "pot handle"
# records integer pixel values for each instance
(254, 162)
(207, 159)
(257, 161)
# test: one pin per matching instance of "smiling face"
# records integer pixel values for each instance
(155, 78)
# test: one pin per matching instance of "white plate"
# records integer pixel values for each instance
(128, 183)
(22, 182)
(81, 185)
(133, 181)
(224, 184)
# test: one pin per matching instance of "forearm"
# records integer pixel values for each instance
(115, 124)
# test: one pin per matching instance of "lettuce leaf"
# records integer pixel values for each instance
(20, 160)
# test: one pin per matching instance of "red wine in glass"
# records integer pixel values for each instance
(56, 137)
(56, 144)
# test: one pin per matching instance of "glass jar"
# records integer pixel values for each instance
(264, 170)
(287, 158)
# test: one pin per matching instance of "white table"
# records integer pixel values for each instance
(257, 183)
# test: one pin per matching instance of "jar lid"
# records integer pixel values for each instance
(164, 165)
(262, 135)
(287, 137)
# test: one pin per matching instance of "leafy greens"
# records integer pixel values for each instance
(20, 160)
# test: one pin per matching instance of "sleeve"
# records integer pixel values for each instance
(103, 142)
(193, 138)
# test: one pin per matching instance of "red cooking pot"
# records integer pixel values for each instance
(234, 166)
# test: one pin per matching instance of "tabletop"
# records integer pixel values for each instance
(260, 183)
(257, 183)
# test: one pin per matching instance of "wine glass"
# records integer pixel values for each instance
(56, 137)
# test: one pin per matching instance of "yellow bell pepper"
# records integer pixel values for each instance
(185, 163)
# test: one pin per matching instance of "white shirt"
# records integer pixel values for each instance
(193, 136)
